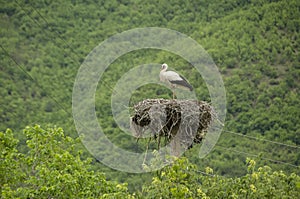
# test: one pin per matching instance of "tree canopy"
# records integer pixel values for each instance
(52, 169)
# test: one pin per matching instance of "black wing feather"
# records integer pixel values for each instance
(182, 82)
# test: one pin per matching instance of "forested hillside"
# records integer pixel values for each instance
(254, 43)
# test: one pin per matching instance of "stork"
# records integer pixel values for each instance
(173, 79)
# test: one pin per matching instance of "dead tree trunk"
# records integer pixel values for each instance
(175, 146)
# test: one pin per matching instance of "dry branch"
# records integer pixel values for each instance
(188, 119)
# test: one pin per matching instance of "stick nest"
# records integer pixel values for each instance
(188, 119)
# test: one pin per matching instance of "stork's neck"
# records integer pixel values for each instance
(163, 70)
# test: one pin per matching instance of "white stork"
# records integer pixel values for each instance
(173, 79)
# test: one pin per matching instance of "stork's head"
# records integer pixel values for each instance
(164, 66)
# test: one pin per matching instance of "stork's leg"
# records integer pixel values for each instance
(173, 91)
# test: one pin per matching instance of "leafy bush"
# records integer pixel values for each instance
(184, 180)
(52, 168)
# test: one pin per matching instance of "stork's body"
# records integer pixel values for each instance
(173, 79)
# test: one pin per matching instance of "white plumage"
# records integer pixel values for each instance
(173, 79)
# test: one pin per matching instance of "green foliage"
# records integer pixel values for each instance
(177, 181)
(9, 163)
(183, 180)
(52, 168)
(258, 183)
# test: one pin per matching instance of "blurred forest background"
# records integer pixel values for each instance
(254, 43)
